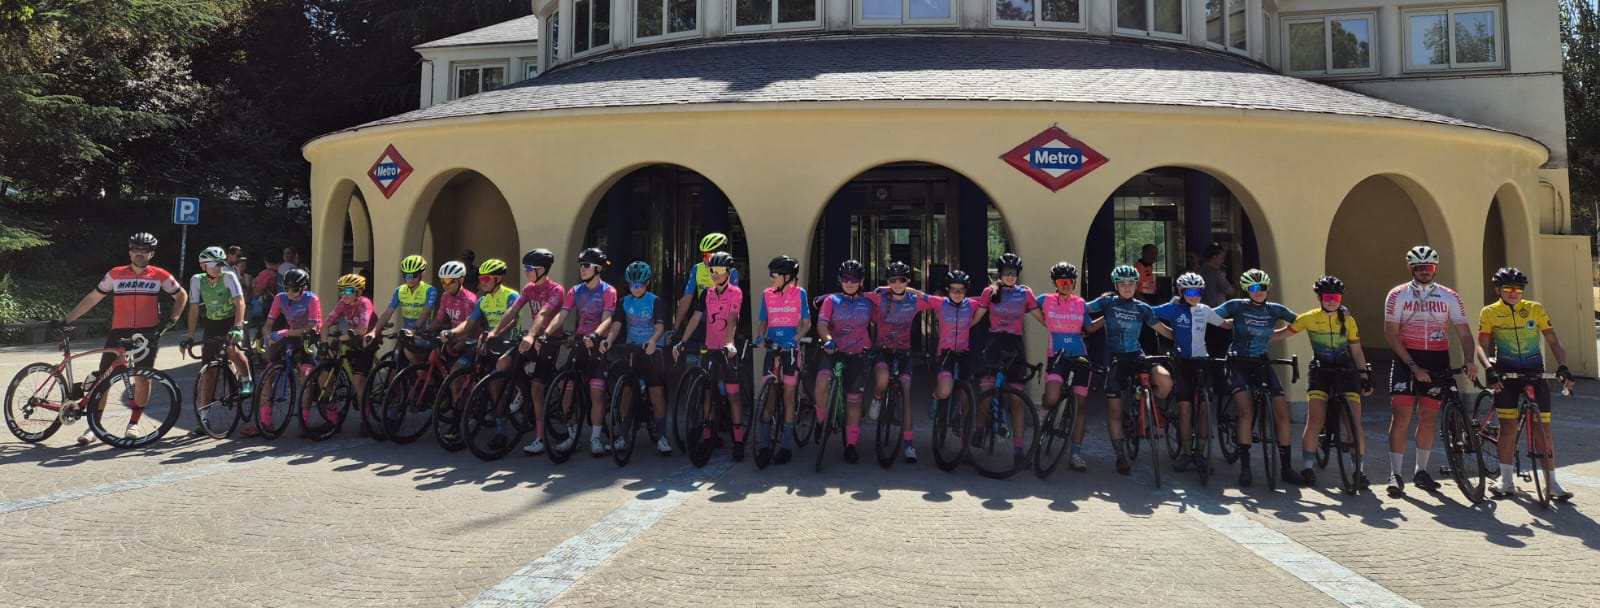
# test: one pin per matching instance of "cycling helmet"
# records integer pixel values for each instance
(1124, 274)
(1009, 260)
(784, 265)
(1063, 270)
(720, 259)
(852, 268)
(1422, 254)
(541, 258)
(957, 277)
(1509, 276)
(637, 272)
(297, 277)
(1254, 276)
(1328, 284)
(355, 281)
(143, 239)
(899, 270)
(492, 267)
(453, 270)
(713, 242)
(1189, 280)
(212, 254)
(594, 255)
(413, 264)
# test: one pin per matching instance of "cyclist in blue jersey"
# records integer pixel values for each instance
(1123, 316)
(645, 316)
(1255, 321)
(1189, 319)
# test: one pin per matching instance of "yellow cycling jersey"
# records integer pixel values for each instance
(412, 302)
(1328, 343)
(1516, 333)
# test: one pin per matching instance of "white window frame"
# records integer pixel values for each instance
(1449, 13)
(1327, 43)
(1038, 17)
(905, 16)
(1227, 40)
(772, 19)
(1149, 30)
(611, 42)
(457, 68)
(551, 42)
(530, 64)
(699, 19)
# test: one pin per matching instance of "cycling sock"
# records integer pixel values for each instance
(909, 435)
(1244, 454)
(1505, 475)
(1283, 454)
(594, 432)
(661, 426)
(1076, 449)
(1397, 460)
(852, 434)
(1016, 441)
(820, 413)
(266, 416)
(1116, 445)
(788, 434)
(1308, 458)
(1422, 459)
(766, 435)
(539, 428)
(738, 433)
(134, 417)
(1550, 480)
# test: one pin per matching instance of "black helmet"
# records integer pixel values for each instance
(1509, 276)
(957, 277)
(784, 265)
(542, 258)
(1009, 260)
(593, 255)
(1063, 270)
(899, 269)
(143, 239)
(297, 277)
(720, 259)
(1328, 284)
(852, 268)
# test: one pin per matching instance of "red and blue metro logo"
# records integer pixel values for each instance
(1054, 158)
(390, 171)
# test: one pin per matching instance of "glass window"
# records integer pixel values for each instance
(1454, 38)
(1151, 17)
(1215, 34)
(593, 25)
(1429, 43)
(1056, 13)
(1332, 44)
(659, 18)
(554, 35)
(1226, 25)
(906, 11)
(1238, 26)
(1133, 15)
(1307, 47)
(530, 67)
(474, 79)
(1475, 37)
(1350, 44)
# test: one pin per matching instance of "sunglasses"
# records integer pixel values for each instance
(777, 275)
(1193, 293)
(348, 291)
(413, 275)
(956, 290)
(1332, 297)
(209, 265)
(899, 280)
(1511, 289)
(448, 282)
(529, 268)
(1063, 282)
(140, 250)
(1256, 288)
(589, 266)
(638, 286)
(1008, 273)
(1425, 268)
(849, 280)
(719, 269)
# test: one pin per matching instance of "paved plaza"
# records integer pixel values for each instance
(351, 522)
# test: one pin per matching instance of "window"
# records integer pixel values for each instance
(474, 79)
(1454, 39)
(593, 26)
(1042, 13)
(664, 19)
(530, 66)
(1226, 25)
(907, 12)
(755, 15)
(1332, 44)
(553, 34)
(1161, 18)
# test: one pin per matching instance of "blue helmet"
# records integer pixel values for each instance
(637, 272)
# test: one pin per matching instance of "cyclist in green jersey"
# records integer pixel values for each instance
(415, 300)
(219, 292)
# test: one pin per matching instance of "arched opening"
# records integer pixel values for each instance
(1494, 246)
(1376, 211)
(923, 214)
(356, 254)
(467, 212)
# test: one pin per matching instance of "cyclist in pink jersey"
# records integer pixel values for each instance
(1007, 304)
(593, 301)
(353, 313)
(844, 325)
(782, 318)
(718, 307)
(1417, 317)
(896, 307)
(456, 303)
(956, 314)
(544, 300)
(1064, 314)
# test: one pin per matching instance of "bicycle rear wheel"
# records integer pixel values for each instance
(378, 381)
(1340, 436)
(331, 396)
(1226, 420)
(805, 415)
(891, 424)
(217, 412)
(562, 404)
(123, 422)
(623, 415)
(484, 427)
(1461, 452)
(769, 419)
(1169, 427)
(827, 423)
(1152, 434)
(1055, 434)
(447, 408)
(1130, 429)
(950, 420)
(1266, 432)
(277, 396)
(1536, 455)
(998, 460)
(1485, 423)
(701, 426)
(34, 401)
(407, 404)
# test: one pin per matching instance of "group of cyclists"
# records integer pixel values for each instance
(865, 332)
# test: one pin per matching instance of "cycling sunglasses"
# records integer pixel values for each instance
(1512, 289)
(638, 286)
(1256, 288)
(718, 269)
(413, 275)
(348, 291)
(448, 282)
(1332, 297)
(1193, 293)
(1425, 268)
(1063, 282)
(587, 266)
(849, 280)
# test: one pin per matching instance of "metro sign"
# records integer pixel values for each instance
(390, 171)
(1054, 158)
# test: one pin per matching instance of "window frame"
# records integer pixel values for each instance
(1227, 38)
(530, 64)
(457, 68)
(611, 41)
(859, 18)
(1149, 30)
(772, 19)
(1449, 13)
(1038, 18)
(1327, 19)
(552, 41)
(664, 36)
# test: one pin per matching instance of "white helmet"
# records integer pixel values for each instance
(452, 270)
(1421, 254)
(1189, 280)
(212, 254)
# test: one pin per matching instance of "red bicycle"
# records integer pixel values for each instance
(127, 407)
(1147, 420)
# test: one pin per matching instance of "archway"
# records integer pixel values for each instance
(356, 255)
(1376, 222)
(461, 211)
(1494, 246)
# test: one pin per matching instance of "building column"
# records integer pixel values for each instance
(619, 229)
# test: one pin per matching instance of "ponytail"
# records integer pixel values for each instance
(995, 295)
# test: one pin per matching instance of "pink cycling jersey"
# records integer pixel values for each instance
(955, 322)
(1064, 316)
(1006, 316)
(544, 299)
(848, 318)
(357, 317)
(304, 313)
(591, 304)
(457, 307)
(719, 313)
(782, 311)
(894, 317)
(1425, 314)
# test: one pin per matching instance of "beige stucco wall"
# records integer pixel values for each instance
(780, 166)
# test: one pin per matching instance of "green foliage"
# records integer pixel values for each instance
(1580, 42)
(29, 300)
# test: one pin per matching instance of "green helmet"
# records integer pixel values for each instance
(1253, 277)
(1124, 274)
(713, 242)
(212, 254)
(413, 264)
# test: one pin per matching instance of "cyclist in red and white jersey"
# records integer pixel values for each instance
(1417, 318)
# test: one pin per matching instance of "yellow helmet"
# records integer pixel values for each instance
(493, 267)
(713, 242)
(353, 281)
(413, 264)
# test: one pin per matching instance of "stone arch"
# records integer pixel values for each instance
(1380, 218)
(459, 209)
(346, 207)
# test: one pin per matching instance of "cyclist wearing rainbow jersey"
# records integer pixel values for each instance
(1335, 345)
(1511, 328)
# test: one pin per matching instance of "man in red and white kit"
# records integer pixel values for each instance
(1417, 318)
(135, 292)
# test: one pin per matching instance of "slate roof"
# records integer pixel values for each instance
(855, 67)
(521, 29)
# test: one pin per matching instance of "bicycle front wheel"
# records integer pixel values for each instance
(701, 426)
(827, 424)
(131, 415)
(378, 381)
(1266, 429)
(623, 415)
(1340, 440)
(563, 415)
(1226, 421)
(331, 396)
(950, 420)
(769, 420)
(447, 406)
(1055, 435)
(217, 411)
(997, 460)
(891, 424)
(1152, 434)
(34, 401)
(276, 399)
(1536, 455)
(406, 405)
(1485, 424)
(1462, 453)
(484, 427)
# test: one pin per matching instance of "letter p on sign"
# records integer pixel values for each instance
(186, 211)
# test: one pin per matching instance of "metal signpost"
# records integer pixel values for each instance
(186, 213)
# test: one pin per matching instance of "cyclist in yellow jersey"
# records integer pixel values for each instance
(490, 315)
(1335, 345)
(1510, 328)
(700, 280)
(414, 299)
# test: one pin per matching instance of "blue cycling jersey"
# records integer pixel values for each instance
(1188, 326)
(1123, 321)
(641, 316)
(1253, 324)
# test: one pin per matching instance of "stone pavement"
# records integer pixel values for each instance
(350, 522)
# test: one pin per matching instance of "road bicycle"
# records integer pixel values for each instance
(43, 396)
(497, 409)
(1339, 440)
(833, 417)
(628, 402)
(567, 405)
(331, 389)
(704, 422)
(1265, 431)
(1146, 424)
(219, 411)
(986, 432)
(953, 414)
(451, 398)
(769, 400)
(1055, 431)
(892, 416)
(410, 399)
(1485, 430)
(1203, 372)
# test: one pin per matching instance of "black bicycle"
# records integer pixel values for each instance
(769, 400)
(986, 432)
(702, 424)
(567, 404)
(1055, 431)
(952, 414)
(1265, 431)
(1339, 440)
(628, 403)
(892, 416)
(493, 421)
(1203, 372)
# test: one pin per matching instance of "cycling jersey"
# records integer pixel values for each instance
(1123, 322)
(545, 299)
(134, 295)
(216, 299)
(304, 313)
(719, 311)
(1253, 324)
(493, 306)
(1330, 341)
(894, 317)
(1516, 333)
(1006, 316)
(456, 308)
(641, 316)
(1064, 317)
(357, 317)
(848, 318)
(1188, 326)
(590, 304)
(700, 280)
(782, 311)
(1425, 314)
(412, 302)
(955, 322)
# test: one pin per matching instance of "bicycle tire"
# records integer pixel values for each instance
(675, 411)
(1325, 444)
(482, 423)
(1227, 434)
(164, 398)
(447, 409)
(378, 380)
(1130, 431)
(277, 400)
(1055, 434)
(330, 399)
(36, 406)
(1536, 460)
(769, 416)
(1202, 451)
(623, 414)
(827, 423)
(891, 424)
(1486, 424)
(995, 466)
(950, 418)
(1345, 451)
(1152, 429)
(217, 414)
(1461, 453)
(407, 403)
(702, 422)
(1267, 428)
(558, 410)
(805, 414)
(1169, 426)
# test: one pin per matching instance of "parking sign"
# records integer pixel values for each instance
(186, 211)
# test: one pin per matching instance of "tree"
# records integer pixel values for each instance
(1580, 43)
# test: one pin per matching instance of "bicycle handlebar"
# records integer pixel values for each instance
(1292, 363)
